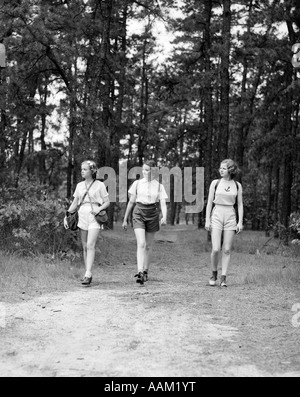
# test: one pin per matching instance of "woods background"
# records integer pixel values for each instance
(89, 79)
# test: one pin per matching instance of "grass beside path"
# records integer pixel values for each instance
(179, 251)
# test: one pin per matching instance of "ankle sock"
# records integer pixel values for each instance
(215, 274)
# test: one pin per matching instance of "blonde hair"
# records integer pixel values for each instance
(232, 167)
(93, 167)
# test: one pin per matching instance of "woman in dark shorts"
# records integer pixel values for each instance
(147, 193)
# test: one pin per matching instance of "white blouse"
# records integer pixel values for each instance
(147, 192)
(97, 192)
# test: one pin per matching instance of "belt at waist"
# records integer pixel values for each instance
(147, 206)
(88, 202)
(224, 205)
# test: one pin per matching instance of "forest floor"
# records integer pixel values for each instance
(176, 325)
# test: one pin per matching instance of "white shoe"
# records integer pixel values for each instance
(212, 281)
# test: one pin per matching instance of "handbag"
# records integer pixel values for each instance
(72, 220)
(101, 217)
(72, 217)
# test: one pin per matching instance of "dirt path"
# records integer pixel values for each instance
(175, 326)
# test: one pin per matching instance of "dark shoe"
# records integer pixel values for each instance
(145, 275)
(213, 279)
(140, 278)
(87, 280)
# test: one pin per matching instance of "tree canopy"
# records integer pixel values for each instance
(86, 79)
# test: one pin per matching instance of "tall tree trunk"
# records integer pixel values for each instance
(269, 202)
(243, 101)
(225, 85)
(287, 129)
(30, 161)
(108, 137)
(71, 146)
(104, 149)
(117, 131)
(276, 201)
(42, 162)
(21, 156)
(208, 99)
(143, 106)
(286, 191)
(2, 121)
(208, 102)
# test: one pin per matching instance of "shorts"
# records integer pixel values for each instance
(146, 217)
(223, 217)
(87, 221)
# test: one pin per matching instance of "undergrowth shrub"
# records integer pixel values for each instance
(295, 227)
(31, 222)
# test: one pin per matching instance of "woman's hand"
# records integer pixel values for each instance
(66, 226)
(98, 211)
(207, 226)
(124, 225)
(163, 221)
(239, 228)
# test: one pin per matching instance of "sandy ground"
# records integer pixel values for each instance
(174, 326)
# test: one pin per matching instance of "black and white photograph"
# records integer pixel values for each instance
(149, 191)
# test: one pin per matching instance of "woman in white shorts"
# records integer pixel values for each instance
(92, 196)
(221, 217)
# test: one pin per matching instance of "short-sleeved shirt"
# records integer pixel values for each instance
(226, 193)
(147, 192)
(97, 192)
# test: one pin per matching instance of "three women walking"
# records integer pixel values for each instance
(147, 197)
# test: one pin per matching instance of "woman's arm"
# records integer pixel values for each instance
(76, 200)
(209, 204)
(240, 209)
(73, 205)
(130, 205)
(163, 205)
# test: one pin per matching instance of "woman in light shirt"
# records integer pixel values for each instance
(221, 217)
(92, 196)
(147, 193)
